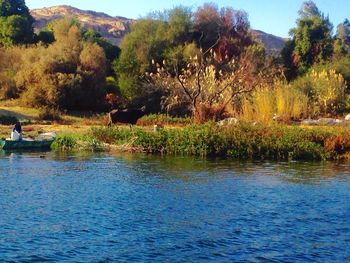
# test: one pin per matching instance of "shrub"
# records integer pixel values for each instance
(162, 119)
(280, 99)
(340, 65)
(49, 114)
(290, 103)
(261, 105)
(69, 74)
(325, 89)
(87, 143)
(64, 142)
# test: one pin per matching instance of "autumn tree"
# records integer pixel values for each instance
(11, 61)
(167, 36)
(203, 88)
(16, 23)
(227, 31)
(68, 74)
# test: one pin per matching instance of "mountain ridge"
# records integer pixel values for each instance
(114, 28)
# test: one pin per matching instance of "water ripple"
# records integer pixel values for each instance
(100, 208)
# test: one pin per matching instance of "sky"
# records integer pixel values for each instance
(272, 16)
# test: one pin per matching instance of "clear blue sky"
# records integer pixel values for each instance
(272, 16)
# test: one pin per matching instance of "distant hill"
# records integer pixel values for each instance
(115, 28)
(272, 43)
(112, 28)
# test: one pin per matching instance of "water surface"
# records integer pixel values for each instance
(137, 208)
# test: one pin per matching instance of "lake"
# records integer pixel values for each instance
(140, 208)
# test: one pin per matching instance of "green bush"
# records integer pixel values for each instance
(162, 119)
(325, 90)
(49, 114)
(64, 143)
(111, 135)
(341, 66)
(70, 142)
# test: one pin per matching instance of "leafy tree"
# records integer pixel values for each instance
(204, 89)
(154, 38)
(68, 74)
(148, 40)
(168, 36)
(342, 39)
(13, 7)
(225, 30)
(45, 36)
(180, 21)
(290, 68)
(16, 23)
(92, 36)
(312, 38)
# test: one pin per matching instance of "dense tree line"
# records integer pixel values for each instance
(64, 66)
(67, 74)
(203, 62)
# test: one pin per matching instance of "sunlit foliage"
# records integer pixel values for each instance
(16, 23)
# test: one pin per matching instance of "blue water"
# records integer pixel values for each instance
(129, 208)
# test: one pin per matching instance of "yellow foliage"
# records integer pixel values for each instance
(261, 106)
(280, 101)
(290, 103)
(326, 90)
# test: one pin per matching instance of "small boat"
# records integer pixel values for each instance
(42, 142)
(25, 144)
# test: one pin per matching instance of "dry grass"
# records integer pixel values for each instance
(260, 107)
(290, 103)
(11, 108)
(281, 99)
(76, 122)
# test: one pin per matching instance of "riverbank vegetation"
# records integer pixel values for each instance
(242, 141)
(161, 134)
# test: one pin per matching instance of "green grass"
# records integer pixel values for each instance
(73, 142)
(162, 119)
(244, 141)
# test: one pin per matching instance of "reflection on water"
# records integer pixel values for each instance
(187, 168)
(86, 207)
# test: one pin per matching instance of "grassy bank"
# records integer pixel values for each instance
(244, 141)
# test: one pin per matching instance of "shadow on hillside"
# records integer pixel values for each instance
(14, 114)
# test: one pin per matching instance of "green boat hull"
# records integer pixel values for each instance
(25, 145)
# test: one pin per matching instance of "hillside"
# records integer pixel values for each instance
(115, 28)
(112, 28)
(272, 43)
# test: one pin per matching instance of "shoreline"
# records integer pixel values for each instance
(243, 141)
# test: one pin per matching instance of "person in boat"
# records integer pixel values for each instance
(16, 134)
